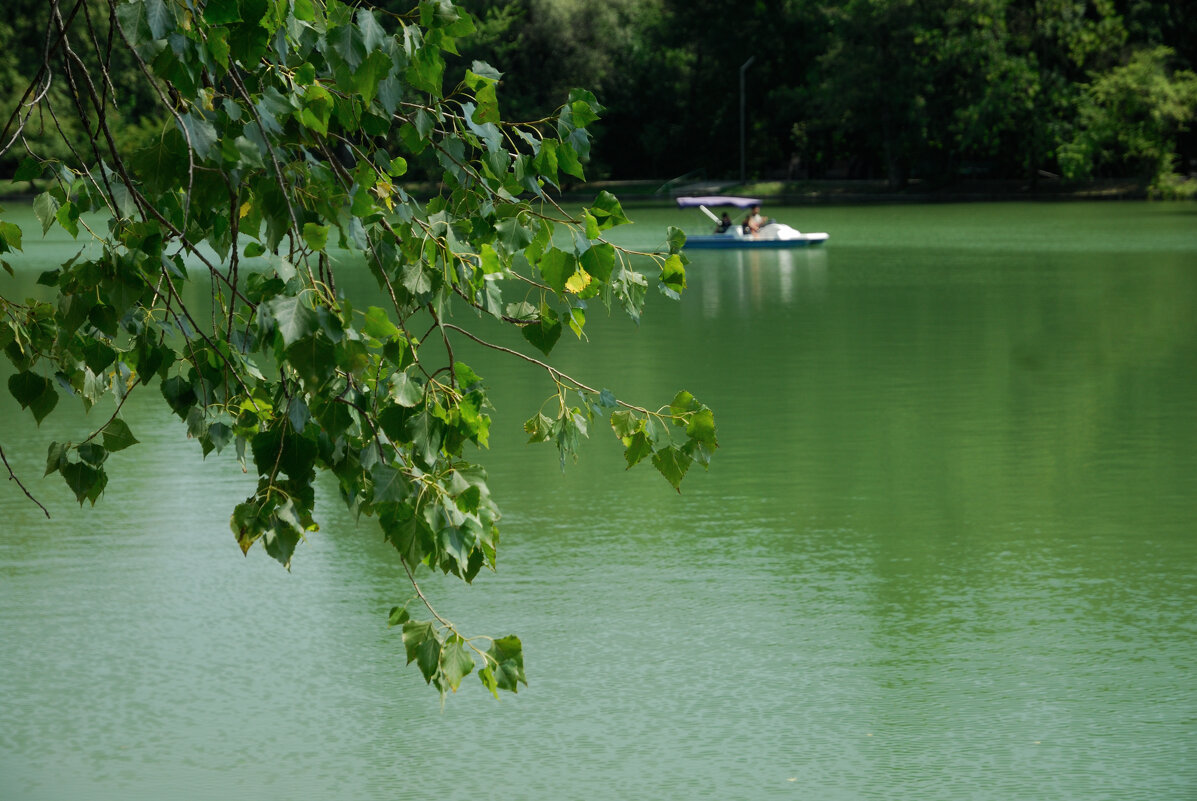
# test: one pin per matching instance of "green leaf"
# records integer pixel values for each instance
(590, 225)
(56, 457)
(133, 23)
(373, 35)
(673, 275)
(219, 435)
(315, 236)
(568, 161)
(457, 545)
(247, 523)
(407, 533)
(599, 261)
(545, 332)
(398, 616)
(538, 427)
(370, 74)
(218, 44)
(426, 70)
(200, 133)
(283, 534)
(676, 239)
(222, 12)
(390, 485)
(451, 155)
(379, 325)
(10, 236)
(508, 665)
(426, 434)
(30, 168)
(540, 243)
(179, 395)
(625, 424)
(68, 217)
(487, 676)
(117, 435)
(317, 109)
(702, 427)
(487, 112)
(406, 390)
(304, 10)
(294, 319)
(348, 43)
(305, 74)
(521, 311)
(512, 236)
(45, 207)
(672, 464)
(467, 379)
(584, 107)
(484, 71)
(684, 402)
(390, 93)
(489, 260)
(85, 481)
(296, 456)
(92, 453)
(636, 448)
(456, 662)
(422, 646)
(546, 160)
(556, 267)
(34, 392)
(607, 211)
(159, 18)
(415, 278)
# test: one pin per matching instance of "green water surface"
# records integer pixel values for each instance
(946, 551)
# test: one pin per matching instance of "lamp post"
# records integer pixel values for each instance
(743, 152)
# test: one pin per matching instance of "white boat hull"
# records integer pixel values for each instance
(772, 235)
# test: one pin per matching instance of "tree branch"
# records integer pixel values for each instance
(13, 477)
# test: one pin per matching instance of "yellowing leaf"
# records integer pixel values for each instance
(578, 281)
(383, 190)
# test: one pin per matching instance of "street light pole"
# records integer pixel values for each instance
(743, 151)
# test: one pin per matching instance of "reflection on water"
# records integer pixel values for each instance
(946, 551)
(760, 277)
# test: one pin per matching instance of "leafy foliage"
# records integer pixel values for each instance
(289, 126)
(861, 89)
(1131, 117)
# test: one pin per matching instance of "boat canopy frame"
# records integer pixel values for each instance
(703, 201)
(718, 200)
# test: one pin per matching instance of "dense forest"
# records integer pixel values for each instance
(937, 90)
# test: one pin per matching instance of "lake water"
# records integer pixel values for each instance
(947, 550)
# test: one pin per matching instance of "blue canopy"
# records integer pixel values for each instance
(718, 200)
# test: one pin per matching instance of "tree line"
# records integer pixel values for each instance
(897, 89)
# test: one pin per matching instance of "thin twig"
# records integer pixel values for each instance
(13, 477)
(423, 598)
(550, 369)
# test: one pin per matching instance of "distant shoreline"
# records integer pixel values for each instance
(797, 193)
(845, 192)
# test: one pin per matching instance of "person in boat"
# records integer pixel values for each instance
(754, 221)
(724, 223)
